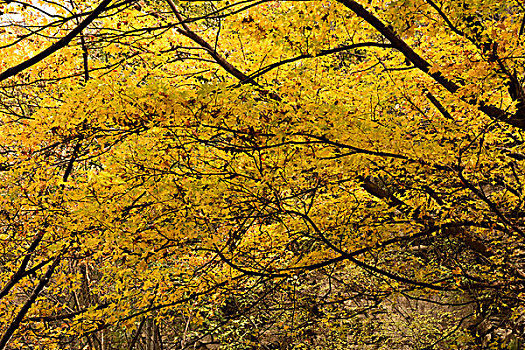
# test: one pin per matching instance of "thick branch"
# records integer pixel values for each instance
(21, 314)
(56, 46)
(186, 31)
(424, 66)
(21, 272)
(439, 106)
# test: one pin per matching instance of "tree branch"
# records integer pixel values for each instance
(321, 53)
(56, 46)
(21, 272)
(186, 31)
(25, 308)
(419, 62)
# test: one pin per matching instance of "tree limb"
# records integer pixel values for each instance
(56, 46)
(419, 62)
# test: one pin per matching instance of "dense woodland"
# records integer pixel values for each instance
(255, 174)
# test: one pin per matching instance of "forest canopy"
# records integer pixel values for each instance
(262, 174)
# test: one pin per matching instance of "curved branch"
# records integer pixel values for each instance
(321, 53)
(248, 272)
(490, 203)
(186, 31)
(364, 265)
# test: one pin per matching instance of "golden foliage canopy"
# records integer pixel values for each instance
(261, 174)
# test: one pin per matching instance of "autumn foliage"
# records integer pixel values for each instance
(262, 174)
